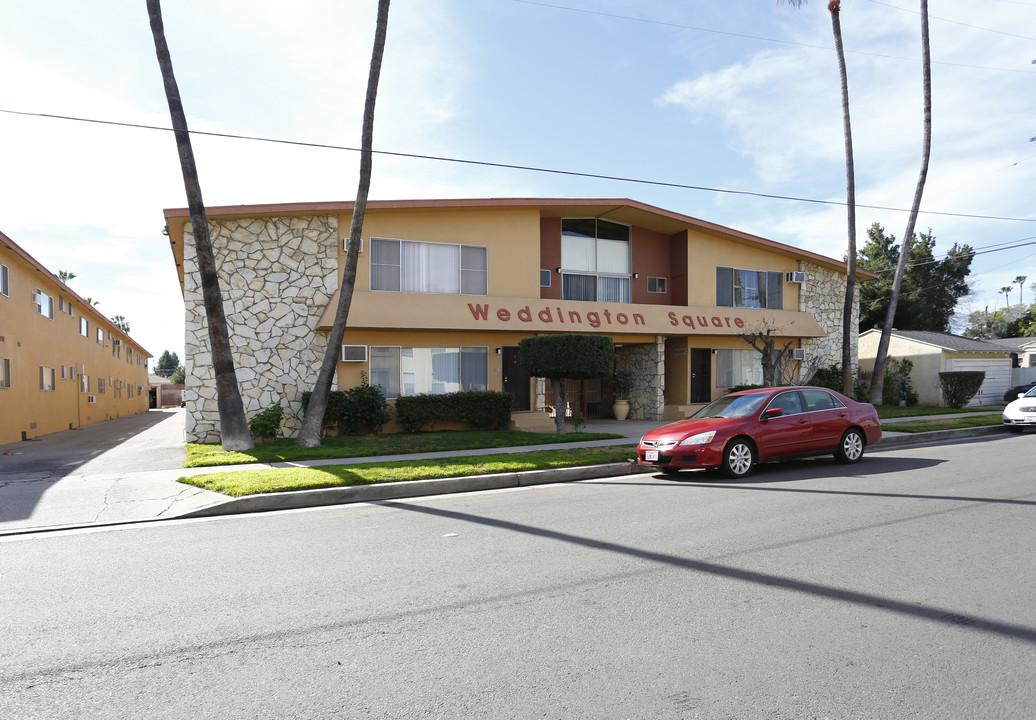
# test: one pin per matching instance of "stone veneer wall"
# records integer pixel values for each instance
(823, 297)
(277, 276)
(647, 363)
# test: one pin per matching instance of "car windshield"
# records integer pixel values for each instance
(732, 406)
(1032, 392)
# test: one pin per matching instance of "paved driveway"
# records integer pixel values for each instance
(104, 471)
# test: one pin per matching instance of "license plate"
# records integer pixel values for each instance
(651, 455)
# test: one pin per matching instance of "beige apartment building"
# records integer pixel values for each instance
(445, 290)
(62, 364)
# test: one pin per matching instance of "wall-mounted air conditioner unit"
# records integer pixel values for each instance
(795, 277)
(345, 244)
(353, 353)
(798, 354)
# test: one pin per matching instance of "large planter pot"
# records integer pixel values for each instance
(621, 408)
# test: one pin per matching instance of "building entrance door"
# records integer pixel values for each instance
(514, 381)
(701, 375)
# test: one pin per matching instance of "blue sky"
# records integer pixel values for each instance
(739, 96)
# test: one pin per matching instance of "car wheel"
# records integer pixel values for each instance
(850, 449)
(738, 458)
(670, 471)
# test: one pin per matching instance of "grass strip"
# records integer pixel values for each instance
(285, 449)
(253, 482)
(947, 424)
(896, 411)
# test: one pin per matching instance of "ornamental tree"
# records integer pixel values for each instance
(572, 356)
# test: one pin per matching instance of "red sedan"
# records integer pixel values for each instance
(743, 429)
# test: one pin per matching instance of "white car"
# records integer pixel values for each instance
(1021, 413)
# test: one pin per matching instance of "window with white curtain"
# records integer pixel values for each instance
(595, 260)
(738, 367)
(402, 371)
(423, 267)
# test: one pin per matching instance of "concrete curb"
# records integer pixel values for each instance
(411, 488)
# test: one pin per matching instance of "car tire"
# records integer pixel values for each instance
(850, 447)
(670, 471)
(738, 458)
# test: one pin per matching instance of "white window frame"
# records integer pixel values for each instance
(48, 380)
(586, 261)
(84, 327)
(738, 367)
(658, 285)
(100, 336)
(37, 299)
(406, 381)
(5, 373)
(410, 279)
(5, 281)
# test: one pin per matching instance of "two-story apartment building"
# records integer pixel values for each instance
(62, 363)
(445, 290)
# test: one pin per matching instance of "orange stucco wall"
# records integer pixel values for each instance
(29, 340)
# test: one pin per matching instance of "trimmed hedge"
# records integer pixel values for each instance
(479, 409)
(959, 387)
(573, 356)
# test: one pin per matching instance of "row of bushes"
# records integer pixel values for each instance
(479, 409)
(364, 409)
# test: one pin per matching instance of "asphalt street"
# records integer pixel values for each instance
(900, 587)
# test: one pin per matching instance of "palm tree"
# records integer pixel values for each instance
(878, 374)
(309, 433)
(835, 8)
(1020, 282)
(1006, 290)
(234, 433)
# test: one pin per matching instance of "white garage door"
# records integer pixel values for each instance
(998, 377)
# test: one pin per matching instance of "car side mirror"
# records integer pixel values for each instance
(772, 413)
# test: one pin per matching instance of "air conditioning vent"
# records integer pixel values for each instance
(795, 277)
(353, 353)
(798, 354)
(91, 398)
(345, 244)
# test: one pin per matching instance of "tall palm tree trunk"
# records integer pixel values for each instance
(309, 434)
(878, 376)
(850, 201)
(234, 434)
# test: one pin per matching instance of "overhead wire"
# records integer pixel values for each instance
(508, 166)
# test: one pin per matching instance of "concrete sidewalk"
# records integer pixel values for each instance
(91, 476)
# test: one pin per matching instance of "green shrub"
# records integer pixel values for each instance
(479, 409)
(363, 406)
(829, 377)
(895, 386)
(574, 356)
(739, 388)
(267, 422)
(959, 387)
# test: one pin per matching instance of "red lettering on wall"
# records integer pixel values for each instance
(479, 312)
(739, 322)
(638, 319)
(574, 317)
(545, 316)
(688, 321)
(672, 320)
(525, 315)
(504, 314)
(594, 319)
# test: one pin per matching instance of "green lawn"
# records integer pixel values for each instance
(285, 449)
(895, 411)
(252, 482)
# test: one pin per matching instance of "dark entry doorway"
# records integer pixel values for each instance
(701, 375)
(514, 381)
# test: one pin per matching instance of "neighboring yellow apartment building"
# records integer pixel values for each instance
(62, 364)
(445, 290)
